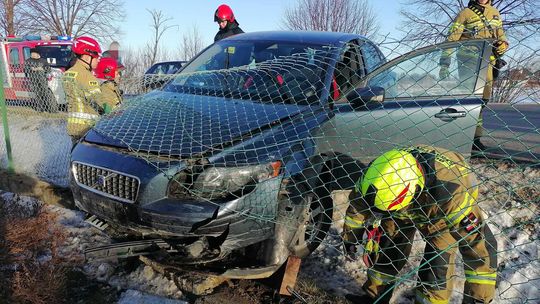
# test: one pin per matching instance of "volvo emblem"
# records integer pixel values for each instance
(101, 180)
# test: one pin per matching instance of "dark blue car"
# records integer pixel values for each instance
(237, 156)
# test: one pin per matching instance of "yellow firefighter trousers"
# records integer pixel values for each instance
(477, 247)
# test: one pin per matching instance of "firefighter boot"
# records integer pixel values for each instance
(383, 297)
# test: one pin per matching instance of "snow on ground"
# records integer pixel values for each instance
(40, 146)
(511, 202)
(141, 279)
(137, 297)
(143, 285)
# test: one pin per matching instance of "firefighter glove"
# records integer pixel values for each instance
(372, 246)
(499, 48)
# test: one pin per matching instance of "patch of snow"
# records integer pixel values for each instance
(137, 297)
(512, 216)
(46, 147)
(24, 206)
(513, 220)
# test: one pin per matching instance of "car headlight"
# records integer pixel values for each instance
(223, 182)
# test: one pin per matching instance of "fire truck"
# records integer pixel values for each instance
(55, 49)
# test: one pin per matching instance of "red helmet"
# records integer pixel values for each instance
(86, 46)
(106, 68)
(224, 12)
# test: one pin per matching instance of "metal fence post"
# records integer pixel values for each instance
(3, 108)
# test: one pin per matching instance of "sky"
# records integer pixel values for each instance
(253, 15)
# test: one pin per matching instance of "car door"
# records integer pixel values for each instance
(418, 106)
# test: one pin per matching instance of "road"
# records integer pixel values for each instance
(512, 132)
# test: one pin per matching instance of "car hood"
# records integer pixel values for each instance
(185, 125)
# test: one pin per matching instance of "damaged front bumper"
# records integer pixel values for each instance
(259, 228)
(225, 226)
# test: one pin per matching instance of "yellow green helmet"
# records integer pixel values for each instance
(391, 180)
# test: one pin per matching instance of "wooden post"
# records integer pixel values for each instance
(291, 274)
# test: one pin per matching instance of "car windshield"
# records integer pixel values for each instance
(58, 56)
(257, 70)
(164, 68)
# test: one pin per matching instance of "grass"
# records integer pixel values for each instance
(32, 268)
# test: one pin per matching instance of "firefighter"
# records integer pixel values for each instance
(82, 88)
(426, 189)
(478, 20)
(228, 25)
(37, 70)
(109, 71)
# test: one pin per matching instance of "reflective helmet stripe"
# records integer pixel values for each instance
(399, 199)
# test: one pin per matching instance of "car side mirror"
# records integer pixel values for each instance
(361, 97)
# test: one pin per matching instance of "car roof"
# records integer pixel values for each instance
(324, 38)
(169, 62)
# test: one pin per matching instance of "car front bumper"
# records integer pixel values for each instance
(241, 222)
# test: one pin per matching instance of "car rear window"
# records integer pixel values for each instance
(165, 68)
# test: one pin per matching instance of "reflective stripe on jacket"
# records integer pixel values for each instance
(449, 196)
(83, 94)
(468, 25)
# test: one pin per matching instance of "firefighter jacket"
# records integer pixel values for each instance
(83, 94)
(230, 30)
(112, 97)
(448, 218)
(469, 25)
(448, 196)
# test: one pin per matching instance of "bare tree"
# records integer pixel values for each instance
(429, 20)
(14, 21)
(159, 26)
(517, 81)
(191, 43)
(97, 18)
(349, 16)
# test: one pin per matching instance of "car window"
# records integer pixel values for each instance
(348, 72)
(165, 68)
(294, 77)
(372, 57)
(420, 76)
(160, 69)
(14, 55)
(227, 54)
(26, 52)
(58, 56)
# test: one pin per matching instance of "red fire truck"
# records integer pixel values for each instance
(56, 50)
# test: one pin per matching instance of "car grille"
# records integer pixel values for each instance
(106, 182)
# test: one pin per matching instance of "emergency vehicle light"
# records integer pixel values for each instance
(13, 39)
(31, 37)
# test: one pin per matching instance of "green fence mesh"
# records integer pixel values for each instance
(252, 151)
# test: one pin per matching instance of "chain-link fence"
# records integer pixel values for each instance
(260, 148)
